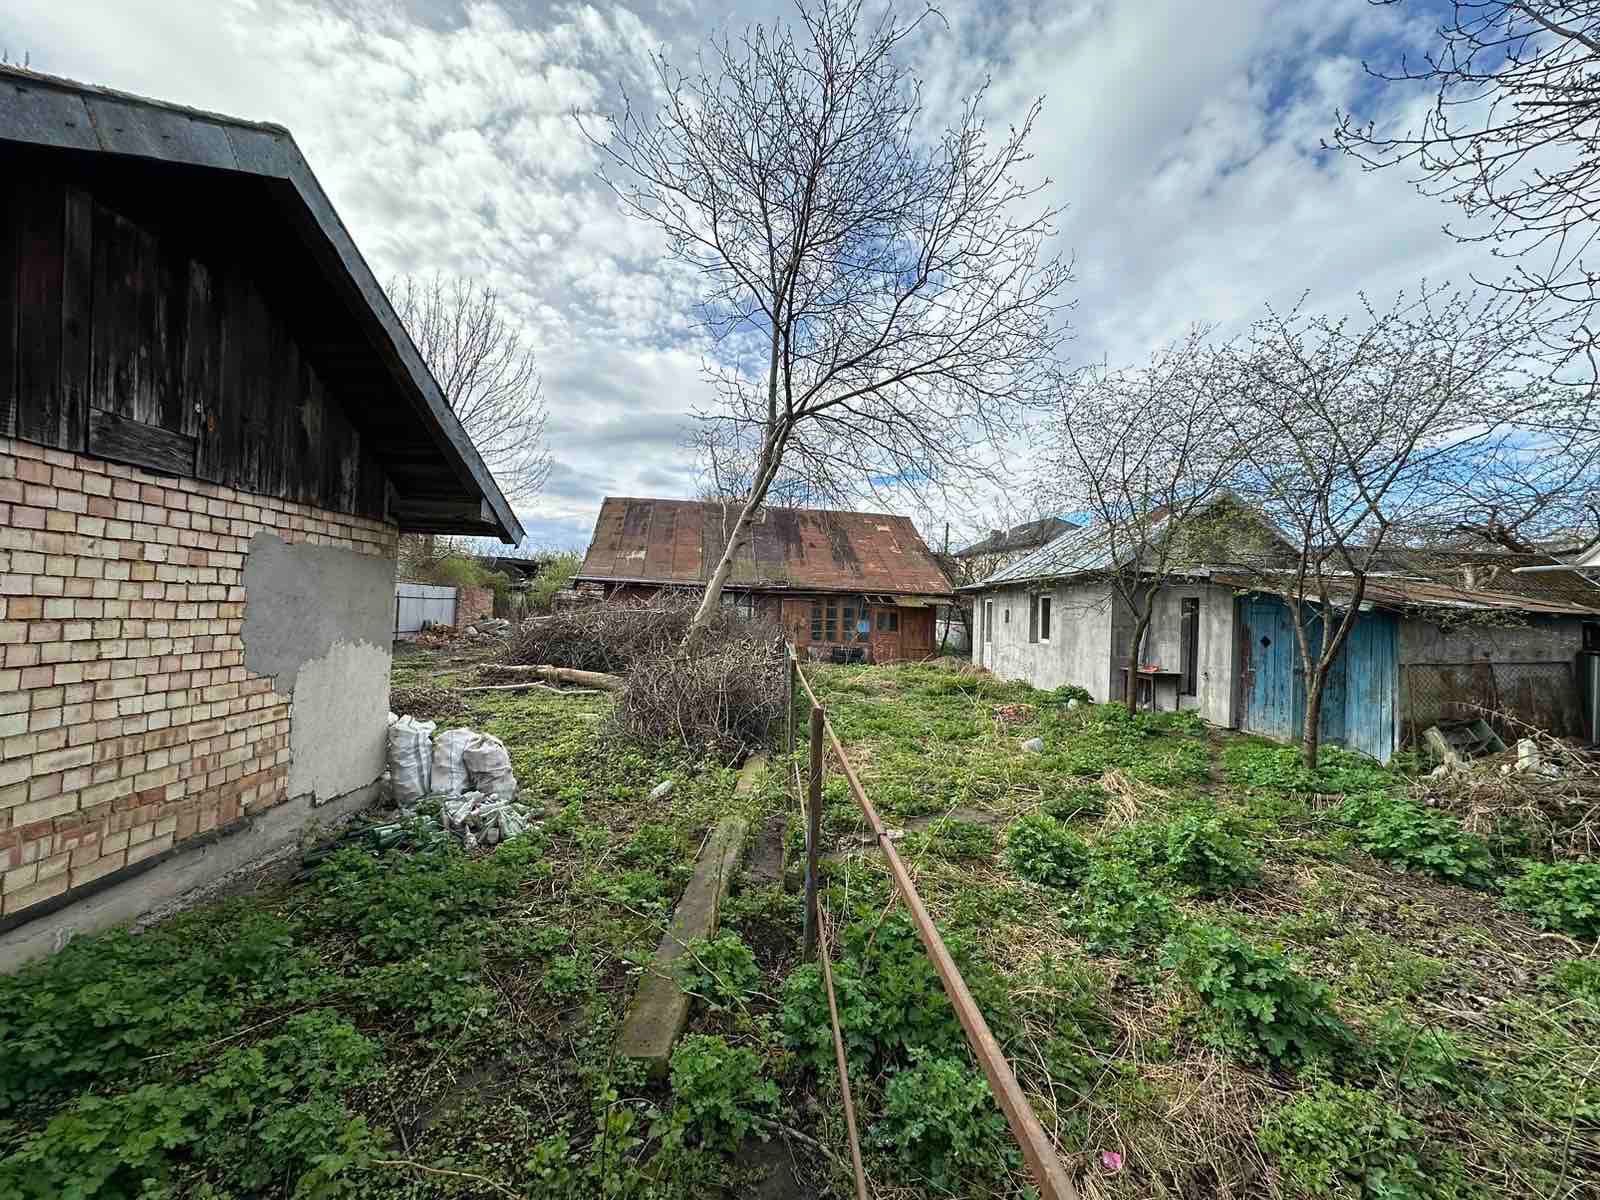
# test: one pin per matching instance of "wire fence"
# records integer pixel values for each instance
(1037, 1151)
(1543, 695)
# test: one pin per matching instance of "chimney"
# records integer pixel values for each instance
(996, 535)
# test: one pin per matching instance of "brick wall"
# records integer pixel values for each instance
(128, 722)
(473, 604)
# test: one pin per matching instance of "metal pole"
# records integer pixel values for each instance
(813, 828)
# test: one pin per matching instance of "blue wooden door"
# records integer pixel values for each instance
(1372, 684)
(1268, 659)
(1358, 694)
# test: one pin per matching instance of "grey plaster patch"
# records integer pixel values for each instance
(338, 721)
(302, 600)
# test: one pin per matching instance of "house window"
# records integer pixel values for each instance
(988, 620)
(888, 622)
(1045, 606)
(1189, 645)
(1033, 618)
(824, 621)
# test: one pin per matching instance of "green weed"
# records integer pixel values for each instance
(1265, 1005)
(1563, 896)
(1041, 849)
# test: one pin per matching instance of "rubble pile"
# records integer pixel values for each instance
(466, 773)
(1539, 796)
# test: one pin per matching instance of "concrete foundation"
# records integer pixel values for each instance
(188, 868)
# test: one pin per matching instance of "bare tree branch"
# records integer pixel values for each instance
(898, 298)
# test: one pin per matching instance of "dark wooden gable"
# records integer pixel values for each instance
(138, 326)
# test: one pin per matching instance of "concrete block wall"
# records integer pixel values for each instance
(129, 722)
(473, 604)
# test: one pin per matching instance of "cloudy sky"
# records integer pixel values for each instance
(1183, 137)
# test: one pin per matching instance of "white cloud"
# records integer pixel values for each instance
(1183, 137)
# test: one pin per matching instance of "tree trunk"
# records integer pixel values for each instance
(767, 467)
(1311, 733)
(1139, 630)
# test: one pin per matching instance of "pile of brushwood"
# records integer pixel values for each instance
(725, 699)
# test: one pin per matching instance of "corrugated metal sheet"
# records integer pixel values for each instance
(679, 541)
(1074, 552)
(1395, 593)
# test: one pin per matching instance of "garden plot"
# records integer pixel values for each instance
(1215, 973)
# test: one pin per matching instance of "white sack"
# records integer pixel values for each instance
(410, 759)
(489, 766)
(449, 774)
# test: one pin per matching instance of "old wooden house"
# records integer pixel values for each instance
(212, 429)
(1437, 637)
(846, 586)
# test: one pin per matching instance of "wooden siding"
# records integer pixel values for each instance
(120, 339)
(1359, 691)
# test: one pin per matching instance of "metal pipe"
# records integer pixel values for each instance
(813, 828)
(1037, 1151)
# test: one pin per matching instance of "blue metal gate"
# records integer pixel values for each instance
(1358, 695)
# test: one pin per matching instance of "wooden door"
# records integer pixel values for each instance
(885, 634)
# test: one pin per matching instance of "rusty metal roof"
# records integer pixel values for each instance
(810, 550)
(1388, 591)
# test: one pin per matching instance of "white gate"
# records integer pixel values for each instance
(419, 604)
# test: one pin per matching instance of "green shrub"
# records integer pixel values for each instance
(442, 992)
(1280, 770)
(397, 905)
(654, 847)
(890, 999)
(105, 1003)
(1405, 833)
(265, 1113)
(941, 1121)
(1261, 999)
(1042, 849)
(718, 1091)
(566, 976)
(1173, 765)
(1077, 803)
(1563, 896)
(1070, 691)
(1118, 909)
(721, 970)
(1339, 1141)
(1579, 978)
(1203, 847)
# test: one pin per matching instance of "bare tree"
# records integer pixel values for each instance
(486, 371)
(1360, 436)
(1510, 139)
(1146, 454)
(897, 297)
(1534, 487)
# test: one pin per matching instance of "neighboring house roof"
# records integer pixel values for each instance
(1026, 536)
(1398, 593)
(257, 173)
(1096, 549)
(1495, 571)
(680, 542)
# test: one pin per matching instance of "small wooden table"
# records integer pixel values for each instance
(1148, 680)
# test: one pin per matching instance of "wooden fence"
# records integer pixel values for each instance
(1037, 1151)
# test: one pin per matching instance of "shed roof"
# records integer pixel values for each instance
(440, 481)
(1019, 537)
(1401, 593)
(656, 541)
